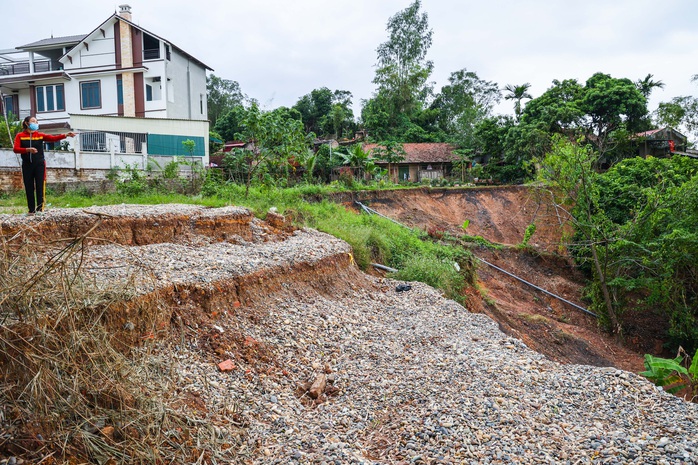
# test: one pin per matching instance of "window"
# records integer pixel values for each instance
(168, 55)
(151, 47)
(119, 91)
(90, 95)
(10, 106)
(50, 98)
(153, 89)
(201, 103)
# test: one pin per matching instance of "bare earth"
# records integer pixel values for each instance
(501, 215)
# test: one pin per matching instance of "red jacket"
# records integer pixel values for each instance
(36, 139)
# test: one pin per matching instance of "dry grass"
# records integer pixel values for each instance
(71, 390)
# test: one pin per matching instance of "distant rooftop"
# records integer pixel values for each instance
(425, 152)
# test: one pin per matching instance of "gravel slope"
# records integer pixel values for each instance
(421, 380)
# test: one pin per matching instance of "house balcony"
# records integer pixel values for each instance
(23, 67)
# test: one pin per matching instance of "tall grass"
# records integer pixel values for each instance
(72, 387)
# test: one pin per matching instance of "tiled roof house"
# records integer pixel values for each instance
(429, 160)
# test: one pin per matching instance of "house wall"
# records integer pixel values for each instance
(189, 129)
(188, 84)
(101, 53)
(108, 92)
(157, 69)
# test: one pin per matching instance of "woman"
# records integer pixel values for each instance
(30, 144)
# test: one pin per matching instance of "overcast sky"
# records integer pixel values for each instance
(280, 50)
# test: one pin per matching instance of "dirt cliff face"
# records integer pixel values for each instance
(501, 215)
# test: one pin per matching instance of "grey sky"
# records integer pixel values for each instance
(279, 50)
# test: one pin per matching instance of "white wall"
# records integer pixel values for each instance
(157, 108)
(107, 84)
(101, 52)
(188, 83)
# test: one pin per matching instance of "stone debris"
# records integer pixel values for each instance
(318, 386)
(226, 365)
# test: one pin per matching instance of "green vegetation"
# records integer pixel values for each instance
(635, 234)
(671, 374)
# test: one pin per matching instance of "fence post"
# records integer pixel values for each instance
(76, 151)
(144, 153)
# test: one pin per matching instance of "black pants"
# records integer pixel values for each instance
(34, 176)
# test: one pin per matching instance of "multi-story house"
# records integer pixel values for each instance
(120, 86)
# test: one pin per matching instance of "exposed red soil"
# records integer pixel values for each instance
(546, 324)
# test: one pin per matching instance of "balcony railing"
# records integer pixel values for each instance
(22, 67)
(151, 54)
(121, 142)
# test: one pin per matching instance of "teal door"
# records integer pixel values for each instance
(403, 173)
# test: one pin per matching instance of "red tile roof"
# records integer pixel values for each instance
(427, 152)
(648, 133)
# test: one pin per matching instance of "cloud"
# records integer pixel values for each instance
(279, 50)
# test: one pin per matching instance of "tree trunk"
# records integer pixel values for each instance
(616, 329)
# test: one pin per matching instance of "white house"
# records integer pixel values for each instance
(119, 74)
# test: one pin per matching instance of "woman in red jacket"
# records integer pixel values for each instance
(30, 144)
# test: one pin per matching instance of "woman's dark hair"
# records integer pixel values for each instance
(25, 122)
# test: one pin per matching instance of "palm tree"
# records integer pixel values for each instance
(517, 93)
(646, 85)
(358, 159)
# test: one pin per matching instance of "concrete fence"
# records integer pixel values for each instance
(85, 168)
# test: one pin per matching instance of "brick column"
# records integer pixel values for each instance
(127, 62)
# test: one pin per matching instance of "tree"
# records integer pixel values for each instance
(646, 85)
(278, 137)
(402, 70)
(215, 146)
(360, 160)
(679, 112)
(610, 104)
(517, 93)
(325, 112)
(9, 127)
(229, 126)
(558, 109)
(223, 95)
(605, 111)
(653, 202)
(464, 102)
(389, 152)
(568, 169)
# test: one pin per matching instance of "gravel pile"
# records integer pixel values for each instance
(418, 379)
(203, 264)
(129, 211)
(404, 377)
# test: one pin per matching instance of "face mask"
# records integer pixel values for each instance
(34, 126)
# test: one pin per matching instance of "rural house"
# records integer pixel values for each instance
(661, 143)
(104, 85)
(421, 161)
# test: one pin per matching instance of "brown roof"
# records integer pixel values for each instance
(54, 42)
(427, 152)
